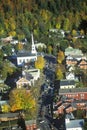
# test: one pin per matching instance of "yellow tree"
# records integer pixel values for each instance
(19, 46)
(50, 49)
(81, 32)
(60, 56)
(74, 32)
(40, 63)
(59, 74)
(66, 24)
(46, 15)
(5, 108)
(22, 99)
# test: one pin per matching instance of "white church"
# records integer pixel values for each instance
(25, 56)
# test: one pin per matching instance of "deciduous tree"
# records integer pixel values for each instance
(60, 57)
(40, 62)
(22, 99)
(59, 74)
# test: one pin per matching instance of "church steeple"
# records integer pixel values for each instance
(33, 46)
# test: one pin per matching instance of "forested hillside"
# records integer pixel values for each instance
(20, 17)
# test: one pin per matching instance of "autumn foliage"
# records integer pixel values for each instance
(21, 99)
(60, 57)
(59, 73)
(40, 62)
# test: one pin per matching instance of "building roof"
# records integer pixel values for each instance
(74, 90)
(70, 116)
(67, 82)
(82, 62)
(25, 54)
(72, 51)
(75, 123)
(9, 115)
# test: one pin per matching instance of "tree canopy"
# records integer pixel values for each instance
(21, 99)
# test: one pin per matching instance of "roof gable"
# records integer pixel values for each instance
(22, 80)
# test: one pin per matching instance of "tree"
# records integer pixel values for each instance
(60, 57)
(19, 46)
(66, 26)
(74, 32)
(22, 99)
(40, 63)
(6, 69)
(85, 125)
(59, 74)
(5, 108)
(79, 114)
(50, 49)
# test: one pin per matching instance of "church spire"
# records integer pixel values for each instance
(33, 46)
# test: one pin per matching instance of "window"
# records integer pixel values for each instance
(19, 61)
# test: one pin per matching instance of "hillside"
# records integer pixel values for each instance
(20, 17)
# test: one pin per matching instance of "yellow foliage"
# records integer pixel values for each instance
(58, 25)
(40, 63)
(74, 40)
(21, 99)
(50, 49)
(60, 57)
(59, 74)
(21, 36)
(45, 14)
(36, 32)
(74, 32)
(12, 33)
(1, 32)
(19, 46)
(82, 32)
(6, 24)
(13, 26)
(5, 108)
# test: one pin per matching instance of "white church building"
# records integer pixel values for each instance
(25, 56)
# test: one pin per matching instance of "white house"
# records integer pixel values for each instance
(25, 56)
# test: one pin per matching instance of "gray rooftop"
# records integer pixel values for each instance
(67, 82)
(25, 54)
(75, 123)
(9, 115)
(74, 90)
(70, 116)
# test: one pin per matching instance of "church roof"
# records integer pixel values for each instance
(25, 54)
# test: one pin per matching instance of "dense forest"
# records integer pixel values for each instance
(20, 17)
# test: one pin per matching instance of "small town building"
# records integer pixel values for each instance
(74, 124)
(70, 76)
(67, 84)
(25, 56)
(75, 93)
(82, 64)
(35, 73)
(23, 82)
(73, 52)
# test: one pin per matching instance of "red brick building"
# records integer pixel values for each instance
(75, 93)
